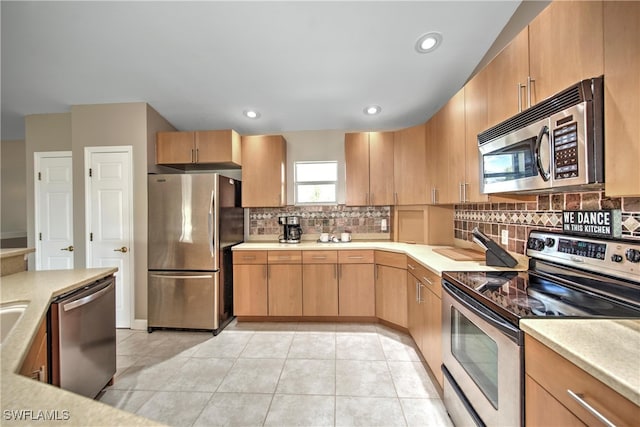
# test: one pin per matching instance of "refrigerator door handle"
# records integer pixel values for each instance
(173, 276)
(211, 209)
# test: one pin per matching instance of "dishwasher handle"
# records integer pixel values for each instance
(87, 299)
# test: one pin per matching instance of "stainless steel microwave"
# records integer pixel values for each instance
(556, 145)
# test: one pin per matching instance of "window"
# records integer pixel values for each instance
(316, 182)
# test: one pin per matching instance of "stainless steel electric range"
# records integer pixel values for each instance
(569, 276)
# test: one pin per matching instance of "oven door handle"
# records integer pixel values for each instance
(485, 313)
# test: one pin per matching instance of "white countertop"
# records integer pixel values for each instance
(608, 349)
(37, 288)
(424, 254)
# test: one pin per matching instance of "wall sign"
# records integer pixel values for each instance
(605, 223)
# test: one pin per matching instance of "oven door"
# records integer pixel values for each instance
(520, 160)
(482, 355)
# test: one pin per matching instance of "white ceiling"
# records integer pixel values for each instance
(304, 65)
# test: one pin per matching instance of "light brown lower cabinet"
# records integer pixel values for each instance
(35, 362)
(557, 393)
(424, 306)
(391, 295)
(250, 283)
(320, 290)
(285, 290)
(356, 283)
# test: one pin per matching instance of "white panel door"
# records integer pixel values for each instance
(109, 205)
(53, 210)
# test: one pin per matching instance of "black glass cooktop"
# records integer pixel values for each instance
(517, 295)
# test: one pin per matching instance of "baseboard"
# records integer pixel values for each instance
(139, 324)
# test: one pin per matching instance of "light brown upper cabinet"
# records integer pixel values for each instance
(507, 85)
(445, 135)
(560, 47)
(220, 147)
(264, 160)
(565, 46)
(622, 98)
(369, 168)
(476, 121)
(409, 169)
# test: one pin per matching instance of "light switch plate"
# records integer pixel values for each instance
(505, 237)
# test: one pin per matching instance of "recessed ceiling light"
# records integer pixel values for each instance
(428, 42)
(372, 110)
(252, 114)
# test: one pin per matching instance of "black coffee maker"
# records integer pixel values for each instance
(292, 229)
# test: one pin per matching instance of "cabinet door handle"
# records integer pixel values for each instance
(339, 271)
(375, 277)
(249, 257)
(417, 300)
(426, 279)
(529, 81)
(464, 192)
(335, 271)
(433, 196)
(197, 152)
(318, 257)
(411, 267)
(268, 272)
(520, 87)
(193, 156)
(460, 196)
(579, 398)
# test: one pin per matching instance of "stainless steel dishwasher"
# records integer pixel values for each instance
(82, 338)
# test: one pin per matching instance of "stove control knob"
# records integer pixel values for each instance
(633, 255)
(616, 258)
(535, 244)
(549, 242)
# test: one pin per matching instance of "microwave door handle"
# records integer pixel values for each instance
(543, 172)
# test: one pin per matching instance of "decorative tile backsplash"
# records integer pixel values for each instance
(360, 220)
(543, 214)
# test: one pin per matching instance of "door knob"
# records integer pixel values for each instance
(70, 249)
(122, 249)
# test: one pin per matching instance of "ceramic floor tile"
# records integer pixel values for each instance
(399, 349)
(313, 346)
(363, 378)
(228, 344)
(175, 408)
(268, 346)
(296, 410)
(124, 333)
(129, 401)
(300, 376)
(411, 380)
(199, 375)
(356, 328)
(368, 411)
(148, 373)
(425, 412)
(235, 409)
(253, 376)
(359, 347)
(312, 327)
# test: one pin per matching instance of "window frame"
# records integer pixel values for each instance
(296, 183)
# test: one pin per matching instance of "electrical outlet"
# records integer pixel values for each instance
(505, 237)
(383, 225)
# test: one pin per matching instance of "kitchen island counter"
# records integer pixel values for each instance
(605, 348)
(424, 254)
(27, 401)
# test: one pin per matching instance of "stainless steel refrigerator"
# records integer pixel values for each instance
(194, 221)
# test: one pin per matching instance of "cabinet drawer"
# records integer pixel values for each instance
(391, 259)
(430, 279)
(355, 257)
(557, 375)
(284, 257)
(250, 257)
(319, 257)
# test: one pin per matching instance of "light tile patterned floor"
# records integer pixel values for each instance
(276, 374)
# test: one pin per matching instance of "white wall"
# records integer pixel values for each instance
(13, 215)
(315, 146)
